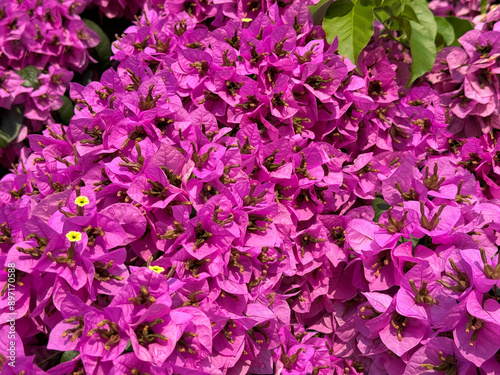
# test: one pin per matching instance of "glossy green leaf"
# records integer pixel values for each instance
(30, 76)
(384, 3)
(484, 6)
(103, 49)
(318, 11)
(10, 124)
(69, 355)
(339, 8)
(352, 23)
(460, 27)
(67, 111)
(423, 34)
(395, 8)
(414, 241)
(439, 42)
(445, 30)
(409, 13)
(379, 206)
(128, 348)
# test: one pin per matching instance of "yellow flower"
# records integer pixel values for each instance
(82, 201)
(157, 269)
(74, 236)
(246, 19)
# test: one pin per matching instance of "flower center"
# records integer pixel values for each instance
(208, 191)
(490, 271)
(433, 182)
(461, 279)
(448, 365)
(278, 48)
(410, 196)
(35, 251)
(318, 82)
(259, 328)
(111, 334)
(201, 66)
(192, 300)
(383, 259)
(288, 361)
(374, 313)
(399, 322)
(234, 259)
(194, 265)
(201, 236)
(77, 331)
(143, 297)
(476, 325)
(253, 226)
(96, 135)
(375, 88)
(234, 41)
(157, 269)
(422, 295)
(394, 226)
(6, 234)
(157, 190)
(233, 86)
(138, 134)
(251, 103)
(183, 346)
(172, 234)
(74, 236)
(92, 234)
(430, 225)
(102, 271)
(145, 104)
(200, 160)
(338, 234)
(307, 239)
(145, 334)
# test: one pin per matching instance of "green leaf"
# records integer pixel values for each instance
(10, 124)
(30, 76)
(86, 77)
(66, 112)
(413, 240)
(382, 16)
(445, 30)
(384, 3)
(366, 3)
(103, 49)
(460, 27)
(340, 8)
(439, 42)
(395, 8)
(69, 355)
(379, 206)
(484, 6)
(423, 34)
(128, 348)
(406, 27)
(352, 23)
(409, 13)
(318, 11)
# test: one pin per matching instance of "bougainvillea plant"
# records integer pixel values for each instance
(256, 187)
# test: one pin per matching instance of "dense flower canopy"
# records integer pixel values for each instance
(234, 196)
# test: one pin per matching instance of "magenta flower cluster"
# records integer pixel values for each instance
(466, 78)
(239, 198)
(467, 9)
(45, 42)
(118, 8)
